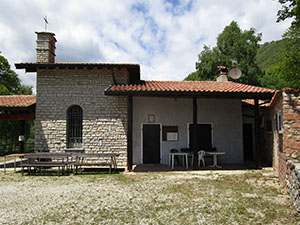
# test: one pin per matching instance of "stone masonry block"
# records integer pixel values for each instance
(295, 145)
(289, 116)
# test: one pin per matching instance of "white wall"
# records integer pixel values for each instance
(224, 114)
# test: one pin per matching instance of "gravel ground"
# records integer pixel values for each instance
(201, 197)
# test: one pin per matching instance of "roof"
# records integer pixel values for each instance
(260, 102)
(193, 88)
(278, 94)
(291, 90)
(32, 67)
(15, 101)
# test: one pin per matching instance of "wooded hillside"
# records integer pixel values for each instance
(270, 53)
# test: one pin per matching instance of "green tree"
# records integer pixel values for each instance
(9, 81)
(270, 53)
(8, 78)
(286, 72)
(290, 9)
(208, 60)
(233, 44)
(290, 64)
(193, 76)
(272, 77)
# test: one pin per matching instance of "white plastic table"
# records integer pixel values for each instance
(183, 154)
(215, 160)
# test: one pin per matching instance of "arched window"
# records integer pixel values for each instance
(74, 127)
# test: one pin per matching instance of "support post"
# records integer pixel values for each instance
(257, 135)
(21, 136)
(129, 134)
(194, 134)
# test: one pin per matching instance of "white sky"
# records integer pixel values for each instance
(163, 36)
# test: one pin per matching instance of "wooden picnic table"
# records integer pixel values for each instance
(95, 159)
(42, 160)
(15, 156)
(66, 161)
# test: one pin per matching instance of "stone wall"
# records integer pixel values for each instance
(287, 142)
(291, 143)
(293, 182)
(291, 123)
(104, 117)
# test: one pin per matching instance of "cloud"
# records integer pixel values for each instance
(163, 36)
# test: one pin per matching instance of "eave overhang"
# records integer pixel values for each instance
(232, 95)
(33, 67)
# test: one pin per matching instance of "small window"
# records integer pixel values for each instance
(74, 127)
(278, 119)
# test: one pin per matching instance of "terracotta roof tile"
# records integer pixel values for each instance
(17, 100)
(187, 87)
(291, 90)
(260, 102)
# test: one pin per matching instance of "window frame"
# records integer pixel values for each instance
(278, 121)
(74, 126)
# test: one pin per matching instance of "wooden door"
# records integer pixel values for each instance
(151, 143)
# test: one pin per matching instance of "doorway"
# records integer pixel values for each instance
(248, 141)
(151, 141)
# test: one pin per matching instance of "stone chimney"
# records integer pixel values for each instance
(222, 73)
(45, 50)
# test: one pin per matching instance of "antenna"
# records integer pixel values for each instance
(234, 62)
(235, 73)
(46, 22)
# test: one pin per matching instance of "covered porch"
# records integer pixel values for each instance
(19, 108)
(163, 115)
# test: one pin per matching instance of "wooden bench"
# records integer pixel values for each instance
(42, 160)
(96, 159)
(63, 161)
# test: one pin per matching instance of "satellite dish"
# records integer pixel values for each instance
(235, 73)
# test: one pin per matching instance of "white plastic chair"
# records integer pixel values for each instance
(201, 158)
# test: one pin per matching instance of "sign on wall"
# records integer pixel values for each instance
(170, 133)
(172, 136)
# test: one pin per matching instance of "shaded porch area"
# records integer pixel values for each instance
(166, 168)
(21, 109)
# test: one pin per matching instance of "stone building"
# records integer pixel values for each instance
(106, 107)
(77, 90)
(283, 138)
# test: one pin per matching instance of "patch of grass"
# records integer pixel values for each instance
(144, 198)
(125, 180)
